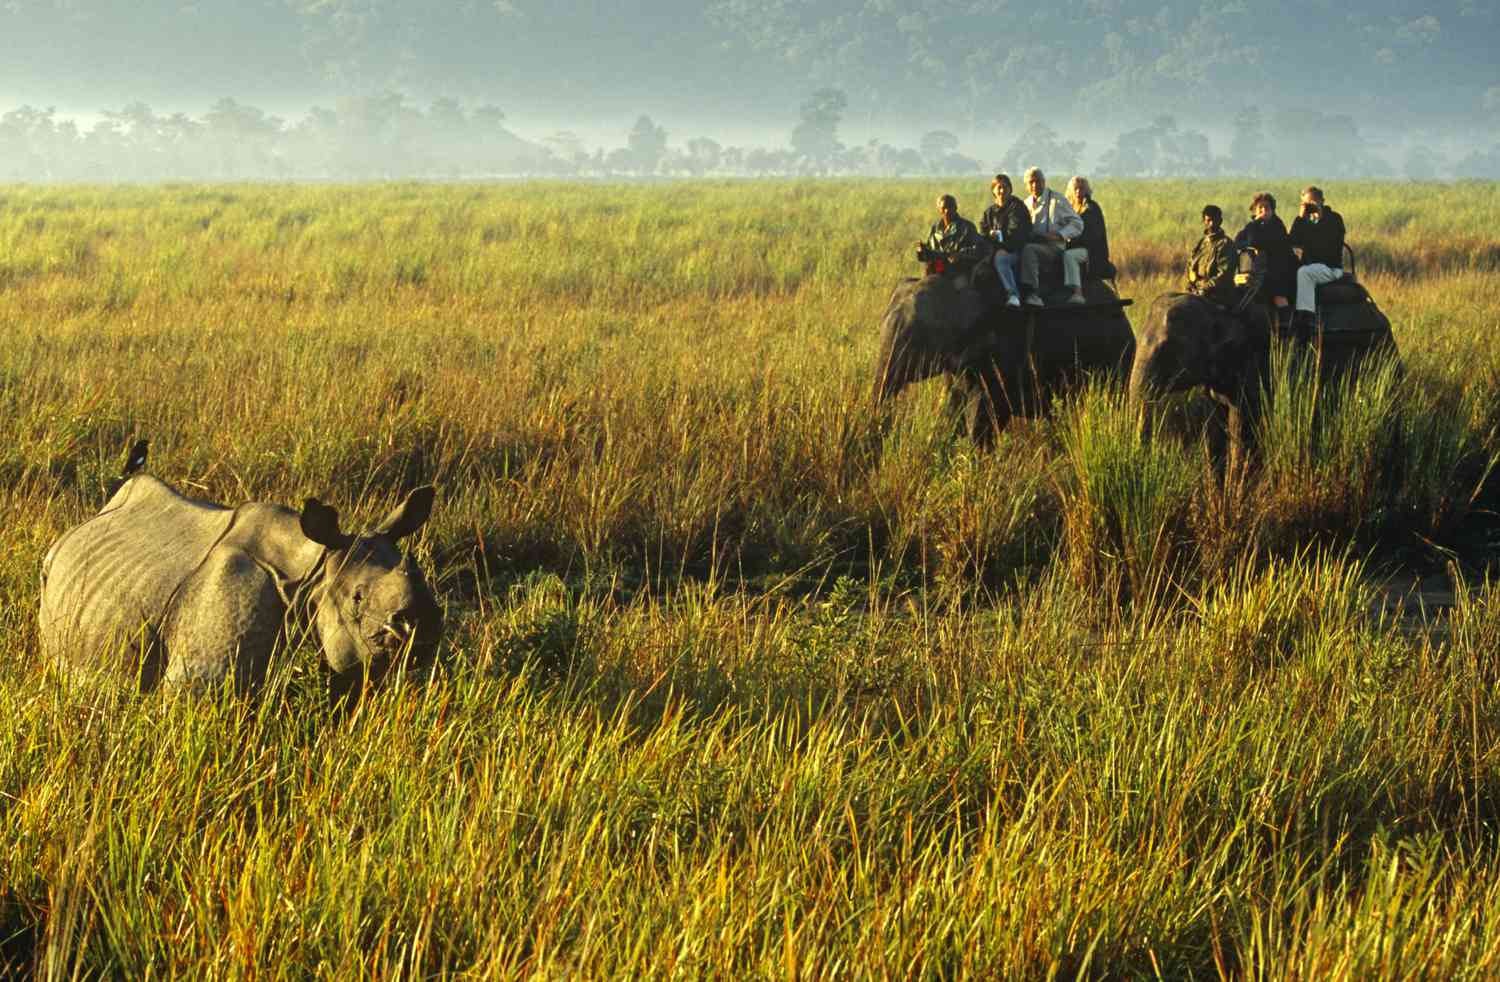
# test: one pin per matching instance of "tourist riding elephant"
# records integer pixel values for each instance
(999, 361)
(1188, 341)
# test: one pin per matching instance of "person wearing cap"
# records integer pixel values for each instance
(1053, 223)
(956, 239)
(1211, 270)
(1319, 232)
(1006, 224)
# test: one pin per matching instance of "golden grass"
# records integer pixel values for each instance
(742, 680)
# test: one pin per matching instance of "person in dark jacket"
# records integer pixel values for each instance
(1266, 234)
(956, 239)
(1006, 224)
(1091, 247)
(1211, 270)
(1318, 231)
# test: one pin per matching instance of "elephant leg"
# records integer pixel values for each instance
(1217, 436)
(976, 423)
(1243, 440)
(1231, 441)
(223, 625)
(1238, 464)
(1244, 423)
(987, 410)
(958, 403)
(972, 410)
(965, 397)
(1041, 391)
(1145, 421)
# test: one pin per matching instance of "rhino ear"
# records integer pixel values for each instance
(320, 523)
(410, 515)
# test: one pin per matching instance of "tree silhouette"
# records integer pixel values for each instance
(703, 155)
(1040, 146)
(816, 136)
(937, 146)
(242, 138)
(647, 144)
(1251, 151)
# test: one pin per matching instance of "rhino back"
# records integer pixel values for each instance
(106, 583)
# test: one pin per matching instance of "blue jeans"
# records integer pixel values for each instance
(1005, 265)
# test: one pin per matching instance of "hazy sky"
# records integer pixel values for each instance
(737, 70)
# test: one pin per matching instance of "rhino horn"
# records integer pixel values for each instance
(320, 523)
(410, 515)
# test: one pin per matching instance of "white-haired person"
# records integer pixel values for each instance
(1091, 247)
(1053, 223)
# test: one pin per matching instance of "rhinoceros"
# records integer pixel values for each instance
(186, 593)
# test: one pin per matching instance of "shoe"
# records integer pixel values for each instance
(1034, 301)
(1013, 301)
(1077, 298)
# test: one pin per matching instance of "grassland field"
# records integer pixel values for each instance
(742, 678)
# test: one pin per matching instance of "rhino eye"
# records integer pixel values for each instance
(359, 598)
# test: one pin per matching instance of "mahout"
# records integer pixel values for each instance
(172, 591)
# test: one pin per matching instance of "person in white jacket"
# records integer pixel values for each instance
(1053, 223)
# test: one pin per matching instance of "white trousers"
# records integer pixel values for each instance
(1308, 278)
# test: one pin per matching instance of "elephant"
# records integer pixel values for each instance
(1188, 341)
(189, 594)
(999, 361)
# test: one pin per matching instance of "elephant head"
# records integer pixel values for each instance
(926, 332)
(1188, 342)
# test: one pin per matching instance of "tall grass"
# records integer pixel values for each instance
(1379, 453)
(1125, 510)
(742, 678)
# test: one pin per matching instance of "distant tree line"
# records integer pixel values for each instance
(386, 137)
(957, 65)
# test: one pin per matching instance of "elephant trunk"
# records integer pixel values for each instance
(888, 381)
(1153, 375)
(1140, 379)
(1146, 381)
